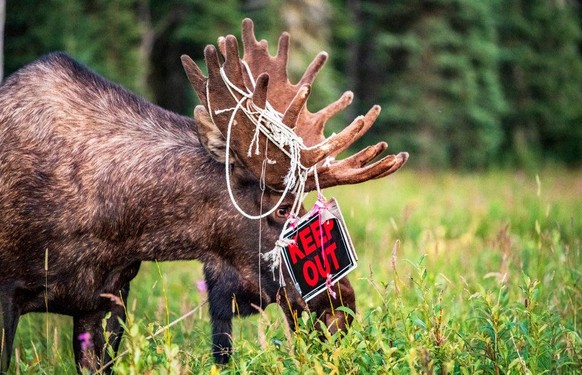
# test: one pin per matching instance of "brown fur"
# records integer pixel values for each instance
(95, 180)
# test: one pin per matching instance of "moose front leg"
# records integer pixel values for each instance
(221, 283)
(228, 294)
(9, 316)
(221, 336)
(93, 351)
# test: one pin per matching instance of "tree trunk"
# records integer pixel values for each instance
(146, 46)
(308, 23)
(2, 19)
(354, 8)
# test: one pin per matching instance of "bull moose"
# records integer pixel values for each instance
(94, 180)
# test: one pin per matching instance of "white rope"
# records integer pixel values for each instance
(275, 256)
(268, 122)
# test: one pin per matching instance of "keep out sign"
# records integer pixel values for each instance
(321, 247)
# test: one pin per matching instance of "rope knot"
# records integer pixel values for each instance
(329, 284)
(275, 256)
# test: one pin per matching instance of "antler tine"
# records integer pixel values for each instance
(309, 126)
(334, 145)
(314, 68)
(195, 76)
(356, 168)
(259, 60)
(353, 170)
(313, 134)
(296, 105)
(369, 120)
(331, 145)
(226, 94)
(283, 48)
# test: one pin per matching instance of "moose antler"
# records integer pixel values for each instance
(230, 89)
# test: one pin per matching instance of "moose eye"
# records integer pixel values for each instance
(282, 212)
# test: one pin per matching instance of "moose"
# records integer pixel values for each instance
(94, 180)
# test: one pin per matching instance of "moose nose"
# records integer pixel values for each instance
(334, 319)
(337, 321)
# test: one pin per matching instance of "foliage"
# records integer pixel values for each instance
(464, 84)
(102, 34)
(437, 73)
(541, 70)
(464, 274)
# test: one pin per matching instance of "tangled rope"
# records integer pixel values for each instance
(268, 122)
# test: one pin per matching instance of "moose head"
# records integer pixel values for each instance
(236, 87)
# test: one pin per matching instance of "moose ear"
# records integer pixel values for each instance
(210, 136)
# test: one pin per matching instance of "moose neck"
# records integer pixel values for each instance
(164, 200)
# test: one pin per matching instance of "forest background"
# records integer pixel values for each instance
(458, 272)
(463, 84)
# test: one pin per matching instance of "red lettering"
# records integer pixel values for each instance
(310, 239)
(320, 266)
(307, 241)
(295, 253)
(330, 251)
(327, 227)
(322, 232)
(317, 234)
(310, 277)
(323, 269)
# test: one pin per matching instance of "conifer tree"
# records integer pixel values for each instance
(435, 71)
(100, 33)
(458, 80)
(542, 77)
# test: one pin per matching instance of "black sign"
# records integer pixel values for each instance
(321, 247)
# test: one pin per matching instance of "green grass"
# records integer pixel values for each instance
(486, 277)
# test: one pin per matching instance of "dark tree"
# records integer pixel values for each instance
(2, 18)
(541, 72)
(433, 65)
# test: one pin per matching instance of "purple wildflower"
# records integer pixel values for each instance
(86, 342)
(201, 286)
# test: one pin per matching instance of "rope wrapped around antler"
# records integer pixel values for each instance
(248, 110)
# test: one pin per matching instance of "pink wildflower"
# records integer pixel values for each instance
(201, 286)
(86, 342)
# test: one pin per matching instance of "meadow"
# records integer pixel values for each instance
(457, 274)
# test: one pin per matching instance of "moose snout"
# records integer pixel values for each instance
(326, 304)
(337, 321)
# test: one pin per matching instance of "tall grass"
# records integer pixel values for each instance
(464, 274)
